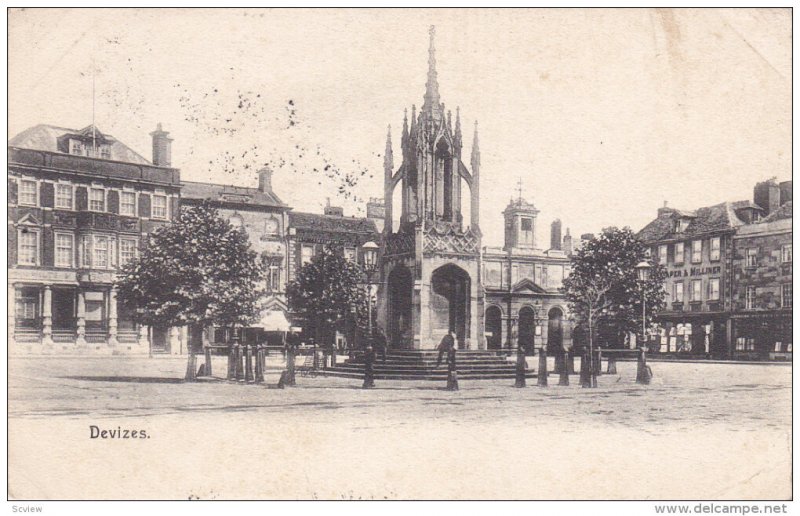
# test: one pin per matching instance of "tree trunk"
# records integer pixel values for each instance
(191, 367)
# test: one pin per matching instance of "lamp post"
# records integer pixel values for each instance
(370, 252)
(643, 272)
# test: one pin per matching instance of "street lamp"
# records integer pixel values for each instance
(370, 252)
(643, 271)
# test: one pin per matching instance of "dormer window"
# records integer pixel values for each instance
(76, 147)
(681, 225)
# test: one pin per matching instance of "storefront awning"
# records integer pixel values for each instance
(274, 320)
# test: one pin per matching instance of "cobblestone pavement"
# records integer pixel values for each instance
(707, 431)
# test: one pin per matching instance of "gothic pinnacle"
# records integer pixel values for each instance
(432, 86)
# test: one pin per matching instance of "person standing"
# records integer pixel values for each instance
(380, 344)
(446, 343)
(521, 367)
(369, 368)
(452, 375)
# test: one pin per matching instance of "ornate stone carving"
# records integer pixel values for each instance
(444, 238)
(399, 243)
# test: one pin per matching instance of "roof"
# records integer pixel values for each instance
(230, 193)
(45, 137)
(719, 217)
(331, 223)
(784, 212)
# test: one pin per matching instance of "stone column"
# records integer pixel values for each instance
(12, 312)
(112, 317)
(81, 323)
(175, 347)
(47, 317)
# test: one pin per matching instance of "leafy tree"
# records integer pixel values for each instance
(199, 270)
(328, 293)
(603, 287)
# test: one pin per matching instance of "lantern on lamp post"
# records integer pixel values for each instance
(370, 253)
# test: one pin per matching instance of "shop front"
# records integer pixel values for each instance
(763, 336)
(690, 335)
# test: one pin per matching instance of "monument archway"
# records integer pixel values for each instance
(494, 327)
(400, 288)
(450, 302)
(527, 328)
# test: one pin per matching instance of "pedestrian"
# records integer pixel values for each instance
(446, 343)
(291, 351)
(369, 368)
(452, 375)
(380, 343)
(522, 365)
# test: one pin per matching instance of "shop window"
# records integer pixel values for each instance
(97, 199)
(786, 295)
(127, 204)
(679, 253)
(745, 344)
(26, 306)
(750, 297)
(697, 251)
(751, 257)
(714, 253)
(786, 253)
(64, 196)
(28, 247)
(95, 311)
(63, 309)
(28, 192)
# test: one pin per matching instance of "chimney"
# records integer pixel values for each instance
(786, 192)
(555, 235)
(567, 246)
(767, 194)
(664, 210)
(162, 147)
(336, 211)
(265, 180)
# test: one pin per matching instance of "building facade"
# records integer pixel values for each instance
(701, 252)
(523, 284)
(80, 206)
(430, 282)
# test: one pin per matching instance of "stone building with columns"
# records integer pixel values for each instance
(80, 205)
(523, 284)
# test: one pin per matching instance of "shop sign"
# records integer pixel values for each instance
(694, 271)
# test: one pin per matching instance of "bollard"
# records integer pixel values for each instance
(283, 380)
(563, 376)
(541, 373)
(259, 365)
(612, 365)
(643, 372)
(598, 362)
(290, 374)
(248, 364)
(559, 362)
(239, 364)
(369, 371)
(570, 358)
(231, 363)
(586, 380)
(521, 366)
(191, 368)
(452, 381)
(207, 353)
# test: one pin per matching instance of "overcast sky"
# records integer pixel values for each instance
(604, 114)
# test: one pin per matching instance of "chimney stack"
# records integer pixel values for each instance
(555, 235)
(767, 194)
(265, 180)
(567, 247)
(162, 147)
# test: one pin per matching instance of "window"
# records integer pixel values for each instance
(697, 251)
(274, 278)
(751, 258)
(526, 231)
(350, 253)
(97, 199)
(786, 295)
(65, 249)
(662, 254)
(713, 289)
(27, 192)
(64, 196)
(105, 152)
(160, 209)
(28, 247)
(696, 293)
(745, 344)
(100, 251)
(679, 253)
(750, 297)
(26, 306)
(306, 253)
(76, 147)
(715, 246)
(786, 253)
(95, 316)
(127, 250)
(679, 292)
(127, 204)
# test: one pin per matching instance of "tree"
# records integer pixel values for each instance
(199, 270)
(603, 285)
(328, 294)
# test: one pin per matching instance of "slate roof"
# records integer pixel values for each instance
(331, 223)
(45, 137)
(230, 193)
(718, 217)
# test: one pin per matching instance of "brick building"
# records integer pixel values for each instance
(523, 285)
(702, 254)
(80, 205)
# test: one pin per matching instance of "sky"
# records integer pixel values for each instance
(602, 114)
